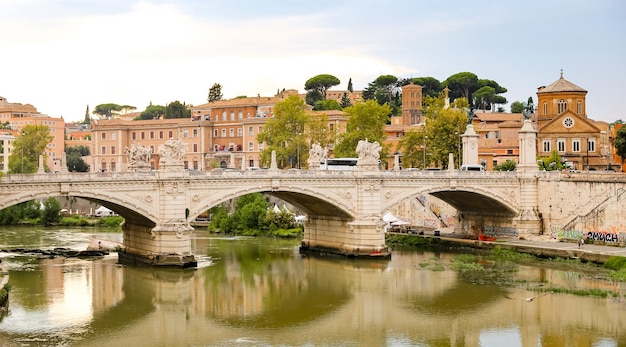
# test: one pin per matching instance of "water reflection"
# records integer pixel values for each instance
(263, 292)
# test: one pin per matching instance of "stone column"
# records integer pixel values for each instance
(528, 221)
(470, 146)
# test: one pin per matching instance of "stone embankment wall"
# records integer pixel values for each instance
(574, 208)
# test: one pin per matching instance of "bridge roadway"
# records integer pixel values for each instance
(344, 208)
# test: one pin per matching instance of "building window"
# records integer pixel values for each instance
(104, 150)
(261, 147)
(195, 164)
(250, 131)
(576, 145)
(232, 115)
(568, 122)
(195, 148)
(260, 129)
(112, 149)
(240, 115)
(223, 132)
(112, 136)
(152, 135)
(250, 146)
(579, 107)
(560, 144)
(545, 108)
(216, 133)
(591, 145)
(224, 116)
(185, 133)
(562, 106)
(113, 166)
(195, 133)
(239, 132)
(160, 134)
(546, 145)
(232, 132)
(170, 134)
(143, 135)
(104, 136)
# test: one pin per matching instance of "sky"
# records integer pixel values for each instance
(63, 56)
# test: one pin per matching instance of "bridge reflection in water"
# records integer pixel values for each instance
(264, 292)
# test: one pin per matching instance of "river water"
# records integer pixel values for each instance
(262, 292)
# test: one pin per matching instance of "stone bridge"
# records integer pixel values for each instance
(344, 208)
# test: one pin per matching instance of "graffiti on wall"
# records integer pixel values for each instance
(606, 237)
(612, 234)
(497, 231)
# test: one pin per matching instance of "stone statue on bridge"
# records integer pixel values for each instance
(138, 156)
(529, 108)
(172, 152)
(317, 154)
(368, 152)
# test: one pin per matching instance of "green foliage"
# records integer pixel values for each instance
(430, 86)
(321, 83)
(345, 101)
(285, 133)
(615, 263)
(443, 129)
(27, 148)
(252, 217)
(509, 254)
(51, 211)
(87, 119)
(327, 105)
(517, 107)
(313, 96)
(110, 221)
(461, 85)
(15, 214)
(365, 121)
(620, 143)
(215, 93)
(508, 165)
(4, 294)
(412, 147)
(153, 112)
(110, 110)
(75, 162)
(551, 162)
(319, 132)
(177, 110)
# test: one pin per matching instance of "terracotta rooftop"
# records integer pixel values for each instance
(560, 85)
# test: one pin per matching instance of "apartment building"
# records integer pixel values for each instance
(16, 116)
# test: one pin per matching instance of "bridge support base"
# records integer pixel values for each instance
(163, 245)
(358, 239)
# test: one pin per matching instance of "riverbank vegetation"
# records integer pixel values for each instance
(498, 266)
(49, 213)
(252, 216)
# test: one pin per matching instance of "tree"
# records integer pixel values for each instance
(87, 119)
(327, 105)
(313, 96)
(517, 107)
(430, 85)
(366, 121)
(462, 85)
(153, 112)
(51, 211)
(215, 93)
(552, 162)
(176, 110)
(620, 143)
(108, 111)
(321, 83)
(483, 97)
(319, 132)
(28, 147)
(74, 158)
(412, 147)
(345, 101)
(444, 126)
(508, 165)
(285, 133)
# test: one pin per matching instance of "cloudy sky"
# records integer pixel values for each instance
(62, 55)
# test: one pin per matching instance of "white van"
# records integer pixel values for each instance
(472, 167)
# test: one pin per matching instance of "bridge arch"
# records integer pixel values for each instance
(310, 202)
(477, 200)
